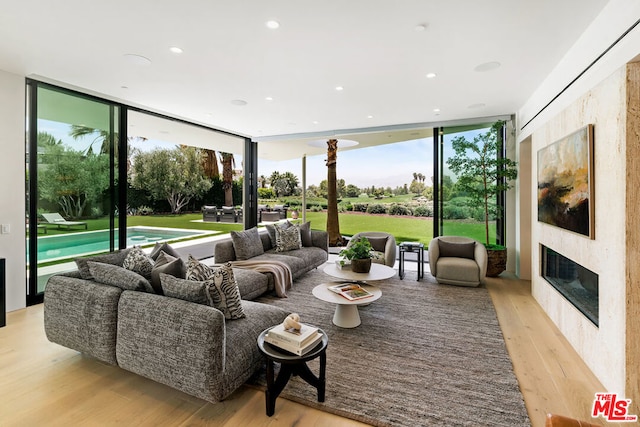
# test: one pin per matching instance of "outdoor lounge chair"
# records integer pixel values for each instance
(58, 220)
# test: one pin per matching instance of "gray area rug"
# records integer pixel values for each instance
(424, 355)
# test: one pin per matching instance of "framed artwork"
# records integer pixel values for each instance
(565, 183)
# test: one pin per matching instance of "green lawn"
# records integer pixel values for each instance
(401, 227)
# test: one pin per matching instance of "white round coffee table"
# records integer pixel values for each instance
(346, 314)
(377, 272)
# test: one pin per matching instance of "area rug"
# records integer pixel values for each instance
(425, 355)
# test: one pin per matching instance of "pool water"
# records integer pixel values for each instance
(52, 248)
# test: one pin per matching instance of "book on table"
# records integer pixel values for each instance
(351, 291)
(297, 342)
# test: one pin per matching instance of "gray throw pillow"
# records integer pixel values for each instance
(305, 234)
(114, 275)
(287, 239)
(166, 264)
(457, 250)
(247, 243)
(139, 262)
(163, 247)
(378, 244)
(188, 290)
(114, 258)
(222, 288)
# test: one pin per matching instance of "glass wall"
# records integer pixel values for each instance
(72, 180)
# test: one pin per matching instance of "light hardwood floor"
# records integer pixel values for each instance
(44, 384)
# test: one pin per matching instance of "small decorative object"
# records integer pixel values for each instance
(294, 214)
(292, 321)
(359, 252)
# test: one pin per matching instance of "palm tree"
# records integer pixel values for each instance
(103, 137)
(210, 163)
(333, 225)
(228, 163)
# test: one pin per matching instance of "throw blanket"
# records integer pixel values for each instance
(282, 277)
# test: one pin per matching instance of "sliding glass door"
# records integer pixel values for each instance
(72, 176)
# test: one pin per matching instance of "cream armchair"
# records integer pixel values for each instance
(383, 243)
(456, 260)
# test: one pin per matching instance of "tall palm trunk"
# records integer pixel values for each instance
(333, 225)
(228, 163)
(210, 163)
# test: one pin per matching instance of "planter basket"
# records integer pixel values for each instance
(361, 265)
(496, 262)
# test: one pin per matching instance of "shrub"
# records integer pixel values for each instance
(422, 210)
(266, 193)
(316, 208)
(396, 209)
(455, 212)
(145, 210)
(363, 196)
(346, 206)
(376, 208)
(360, 207)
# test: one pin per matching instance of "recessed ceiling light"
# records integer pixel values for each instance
(487, 66)
(137, 59)
(268, 98)
(431, 75)
(315, 122)
(478, 105)
(339, 88)
(175, 49)
(239, 102)
(436, 110)
(369, 116)
(273, 24)
(420, 27)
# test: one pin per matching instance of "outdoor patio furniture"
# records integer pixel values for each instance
(227, 214)
(281, 209)
(209, 213)
(57, 220)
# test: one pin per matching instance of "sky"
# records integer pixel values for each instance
(389, 165)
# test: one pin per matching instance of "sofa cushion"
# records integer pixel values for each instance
(305, 234)
(457, 250)
(378, 244)
(114, 275)
(115, 258)
(188, 290)
(163, 247)
(287, 239)
(458, 271)
(247, 243)
(251, 283)
(221, 285)
(166, 264)
(139, 262)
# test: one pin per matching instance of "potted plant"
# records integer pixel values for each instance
(482, 175)
(359, 252)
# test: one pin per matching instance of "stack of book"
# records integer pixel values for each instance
(296, 342)
(351, 291)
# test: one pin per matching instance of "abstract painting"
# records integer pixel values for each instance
(565, 183)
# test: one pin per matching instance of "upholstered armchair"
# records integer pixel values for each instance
(384, 244)
(456, 260)
(227, 214)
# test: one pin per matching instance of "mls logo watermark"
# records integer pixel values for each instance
(612, 409)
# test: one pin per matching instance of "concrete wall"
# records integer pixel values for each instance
(12, 190)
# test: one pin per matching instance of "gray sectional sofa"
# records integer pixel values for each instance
(185, 345)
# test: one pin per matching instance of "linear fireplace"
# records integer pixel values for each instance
(575, 282)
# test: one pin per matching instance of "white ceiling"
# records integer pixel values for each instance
(372, 48)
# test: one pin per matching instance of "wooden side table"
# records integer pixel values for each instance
(411, 247)
(291, 364)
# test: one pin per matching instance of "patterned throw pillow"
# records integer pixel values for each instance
(221, 286)
(138, 262)
(287, 239)
(166, 264)
(247, 243)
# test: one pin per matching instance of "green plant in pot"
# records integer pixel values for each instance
(359, 252)
(482, 175)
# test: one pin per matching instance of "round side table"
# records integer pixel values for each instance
(291, 364)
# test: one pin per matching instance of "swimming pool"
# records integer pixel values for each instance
(53, 248)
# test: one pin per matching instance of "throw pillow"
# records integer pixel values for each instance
(188, 290)
(287, 239)
(305, 234)
(138, 262)
(114, 258)
(114, 275)
(163, 247)
(271, 230)
(247, 243)
(166, 264)
(222, 288)
(458, 250)
(378, 244)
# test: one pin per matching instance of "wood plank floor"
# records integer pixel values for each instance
(44, 384)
